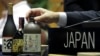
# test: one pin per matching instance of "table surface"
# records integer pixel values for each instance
(59, 55)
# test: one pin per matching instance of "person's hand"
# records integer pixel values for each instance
(43, 16)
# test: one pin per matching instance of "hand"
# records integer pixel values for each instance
(43, 15)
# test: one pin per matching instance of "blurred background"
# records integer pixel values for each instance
(54, 5)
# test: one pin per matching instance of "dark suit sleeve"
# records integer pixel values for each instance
(79, 16)
(72, 5)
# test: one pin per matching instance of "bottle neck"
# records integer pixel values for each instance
(20, 29)
(21, 23)
(10, 9)
(31, 19)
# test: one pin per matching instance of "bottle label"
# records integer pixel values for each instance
(32, 43)
(6, 44)
(17, 45)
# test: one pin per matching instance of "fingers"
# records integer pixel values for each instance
(41, 18)
(34, 12)
(42, 15)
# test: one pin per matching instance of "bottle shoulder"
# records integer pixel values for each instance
(9, 27)
(32, 28)
(18, 34)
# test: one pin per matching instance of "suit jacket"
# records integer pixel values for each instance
(82, 10)
(81, 5)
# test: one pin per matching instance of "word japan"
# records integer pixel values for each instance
(80, 40)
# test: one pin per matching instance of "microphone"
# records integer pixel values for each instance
(82, 22)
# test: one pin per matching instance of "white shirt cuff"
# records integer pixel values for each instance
(62, 19)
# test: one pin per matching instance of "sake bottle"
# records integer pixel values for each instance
(8, 32)
(32, 38)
